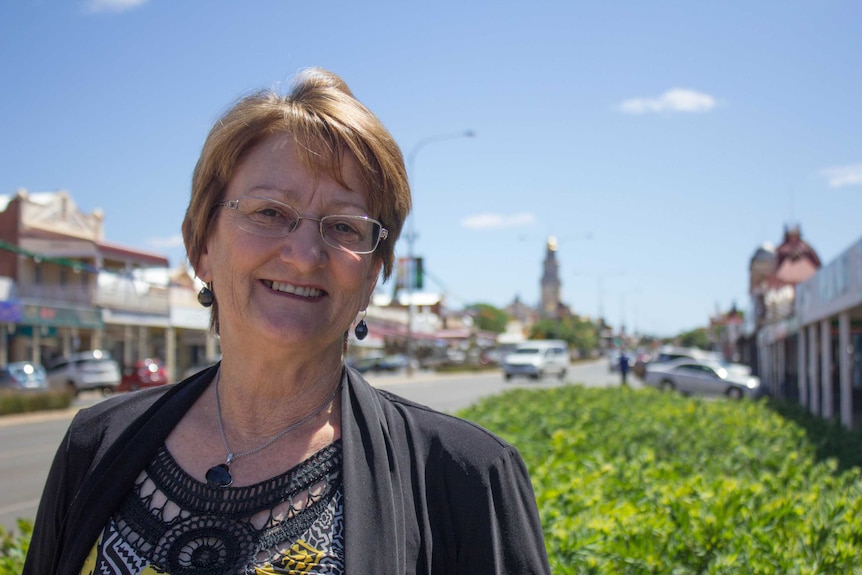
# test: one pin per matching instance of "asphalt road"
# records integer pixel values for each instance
(28, 443)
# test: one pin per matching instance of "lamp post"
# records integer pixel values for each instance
(411, 233)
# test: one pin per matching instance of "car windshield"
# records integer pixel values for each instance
(527, 351)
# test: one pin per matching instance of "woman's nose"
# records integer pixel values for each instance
(304, 246)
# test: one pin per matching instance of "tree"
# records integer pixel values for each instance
(580, 334)
(695, 338)
(489, 318)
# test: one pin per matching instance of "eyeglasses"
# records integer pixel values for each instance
(273, 219)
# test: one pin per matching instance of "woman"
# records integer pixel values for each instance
(280, 459)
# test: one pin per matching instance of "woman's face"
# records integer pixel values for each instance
(295, 289)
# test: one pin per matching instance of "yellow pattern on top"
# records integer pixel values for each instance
(298, 560)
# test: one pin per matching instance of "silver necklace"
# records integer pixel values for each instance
(219, 475)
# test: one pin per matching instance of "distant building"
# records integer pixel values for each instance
(773, 277)
(726, 329)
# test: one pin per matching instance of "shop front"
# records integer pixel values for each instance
(829, 314)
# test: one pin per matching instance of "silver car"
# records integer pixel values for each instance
(703, 377)
(84, 371)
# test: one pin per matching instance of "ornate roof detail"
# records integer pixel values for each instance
(794, 248)
(795, 260)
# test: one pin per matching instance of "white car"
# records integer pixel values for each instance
(84, 371)
(537, 358)
(703, 377)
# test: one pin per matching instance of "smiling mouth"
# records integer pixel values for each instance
(295, 290)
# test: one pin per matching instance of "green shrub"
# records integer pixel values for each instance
(25, 402)
(644, 482)
(13, 548)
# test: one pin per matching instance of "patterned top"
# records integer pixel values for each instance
(170, 523)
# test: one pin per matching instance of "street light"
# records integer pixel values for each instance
(411, 232)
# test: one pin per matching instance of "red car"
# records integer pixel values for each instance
(145, 373)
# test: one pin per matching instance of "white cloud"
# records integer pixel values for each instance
(675, 100)
(112, 5)
(175, 241)
(841, 176)
(497, 221)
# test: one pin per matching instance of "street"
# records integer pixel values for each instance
(30, 441)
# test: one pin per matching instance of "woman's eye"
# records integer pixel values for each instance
(270, 213)
(344, 228)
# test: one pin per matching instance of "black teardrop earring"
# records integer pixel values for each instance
(361, 329)
(206, 297)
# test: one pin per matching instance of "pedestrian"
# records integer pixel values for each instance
(279, 458)
(624, 367)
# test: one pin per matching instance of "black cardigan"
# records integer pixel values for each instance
(424, 493)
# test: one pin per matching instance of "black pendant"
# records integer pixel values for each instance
(206, 297)
(219, 476)
(361, 330)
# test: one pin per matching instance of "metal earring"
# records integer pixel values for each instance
(361, 329)
(206, 297)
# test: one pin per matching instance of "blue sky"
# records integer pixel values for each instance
(661, 142)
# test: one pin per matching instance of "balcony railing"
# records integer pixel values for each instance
(121, 295)
(129, 297)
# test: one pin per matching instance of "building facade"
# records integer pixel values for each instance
(69, 290)
(809, 330)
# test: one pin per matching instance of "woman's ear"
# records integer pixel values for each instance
(201, 267)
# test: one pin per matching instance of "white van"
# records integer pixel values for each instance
(537, 358)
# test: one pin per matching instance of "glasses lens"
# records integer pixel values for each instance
(266, 217)
(352, 233)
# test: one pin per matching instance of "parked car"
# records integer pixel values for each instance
(23, 375)
(669, 353)
(380, 363)
(702, 377)
(148, 372)
(537, 358)
(85, 371)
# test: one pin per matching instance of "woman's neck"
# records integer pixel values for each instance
(259, 392)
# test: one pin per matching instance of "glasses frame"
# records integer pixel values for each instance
(234, 205)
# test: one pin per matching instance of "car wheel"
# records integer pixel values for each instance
(734, 393)
(666, 385)
(73, 389)
(508, 376)
(106, 391)
(562, 375)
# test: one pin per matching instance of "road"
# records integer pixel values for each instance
(28, 442)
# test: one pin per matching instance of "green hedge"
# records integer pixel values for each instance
(635, 482)
(12, 402)
(13, 548)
